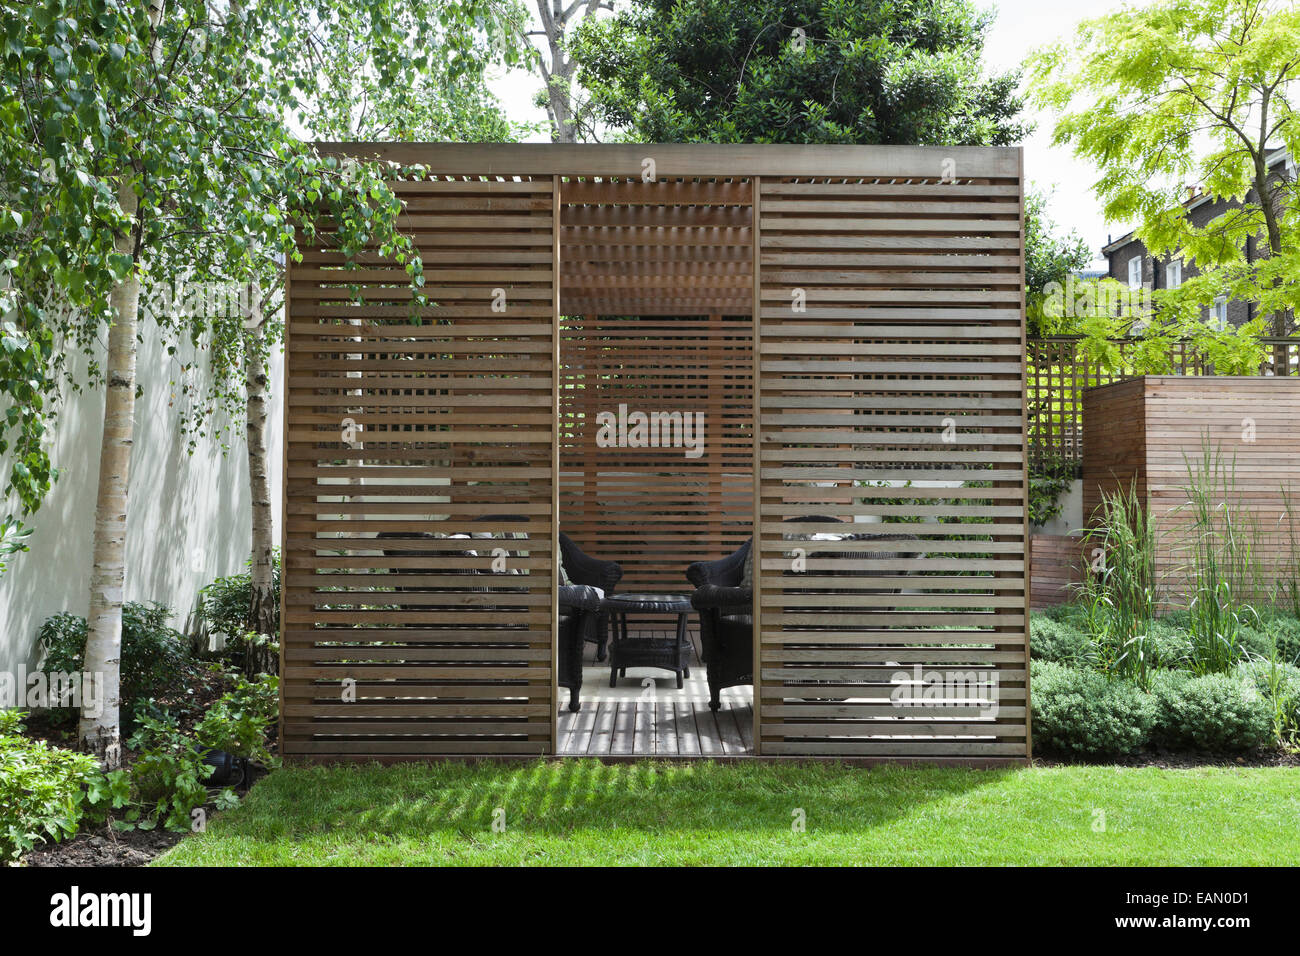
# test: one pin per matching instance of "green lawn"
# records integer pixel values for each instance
(584, 812)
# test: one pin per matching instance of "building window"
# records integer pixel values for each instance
(1174, 274)
(1221, 311)
(1135, 272)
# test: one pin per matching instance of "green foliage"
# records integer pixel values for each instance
(1104, 313)
(1050, 262)
(156, 658)
(42, 789)
(1288, 584)
(1169, 642)
(1190, 91)
(413, 71)
(12, 533)
(1079, 711)
(241, 719)
(1048, 481)
(1273, 629)
(224, 608)
(223, 185)
(165, 777)
(1265, 667)
(46, 793)
(1279, 684)
(1218, 713)
(736, 71)
(1058, 641)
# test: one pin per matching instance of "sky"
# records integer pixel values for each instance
(1021, 26)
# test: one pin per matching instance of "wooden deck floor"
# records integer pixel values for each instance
(647, 715)
(661, 727)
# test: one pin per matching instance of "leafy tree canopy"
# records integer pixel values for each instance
(187, 106)
(1051, 258)
(798, 71)
(1190, 92)
(442, 94)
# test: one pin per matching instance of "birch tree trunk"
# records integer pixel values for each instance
(102, 735)
(262, 616)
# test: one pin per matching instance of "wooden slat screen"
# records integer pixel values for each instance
(452, 453)
(657, 509)
(858, 324)
(890, 397)
(657, 294)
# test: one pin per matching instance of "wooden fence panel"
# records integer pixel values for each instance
(1169, 422)
(1056, 569)
(891, 398)
(419, 608)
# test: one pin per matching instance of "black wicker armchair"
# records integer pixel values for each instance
(579, 610)
(726, 607)
(726, 621)
(584, 569)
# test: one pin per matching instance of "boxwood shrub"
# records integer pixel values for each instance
(1280, 628)
(1060, 641)
(1079, 711)
(1218, 713)
(1279, 685)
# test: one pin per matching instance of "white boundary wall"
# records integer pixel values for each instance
(189, 518)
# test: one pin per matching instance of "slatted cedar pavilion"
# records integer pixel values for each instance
(849, 320)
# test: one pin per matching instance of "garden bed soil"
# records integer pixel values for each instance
(106, 847)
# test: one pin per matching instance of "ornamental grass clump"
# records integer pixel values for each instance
(1222, 577)
(1119, 591)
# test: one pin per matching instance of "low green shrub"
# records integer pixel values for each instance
(165, 776)
(1072, 613)
(1279, 684)
(1273, 628)
(156, 658)
(1077, 710)
(223, 608)
(241, 719)
(1060, 641)
(1218, 713)
(42, 789)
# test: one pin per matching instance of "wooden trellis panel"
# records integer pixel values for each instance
(1059, 371)
(890, 397)
(416, 447)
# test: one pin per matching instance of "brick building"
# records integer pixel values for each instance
(1131, 263)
